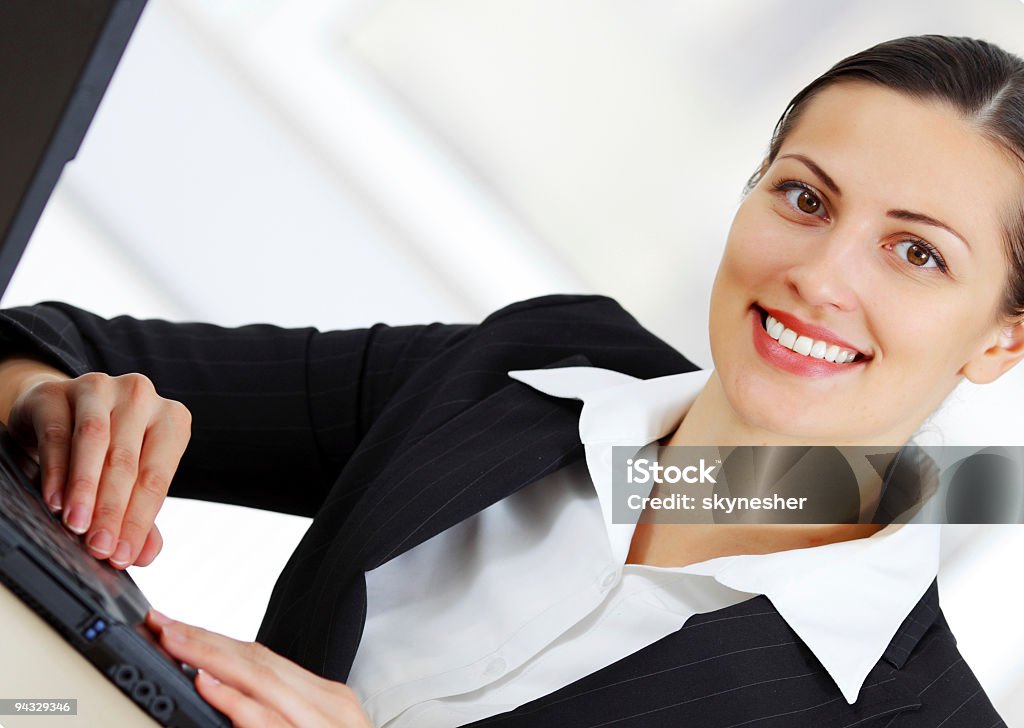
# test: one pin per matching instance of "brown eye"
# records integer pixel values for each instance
(802, 198)
(807, 202)
(917, 255)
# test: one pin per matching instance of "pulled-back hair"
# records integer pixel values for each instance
(981, 81)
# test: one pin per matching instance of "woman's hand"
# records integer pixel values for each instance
(255, 687)
(107, 449)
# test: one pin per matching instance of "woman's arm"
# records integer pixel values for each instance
(19, 373)
(276, 412)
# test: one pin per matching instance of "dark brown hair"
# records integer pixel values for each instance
(980, 80)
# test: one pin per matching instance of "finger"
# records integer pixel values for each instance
(150, 550)
(89, 442)
(51, 425)
(335, 702)
(248, 667)
(298, 678)
(128, 422)
(162, 447)
(243, 711)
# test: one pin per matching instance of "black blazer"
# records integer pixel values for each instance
(387, 436)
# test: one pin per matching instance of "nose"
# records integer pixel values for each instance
(827, 270)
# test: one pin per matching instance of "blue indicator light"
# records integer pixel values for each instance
(100, 625)
(90, 634)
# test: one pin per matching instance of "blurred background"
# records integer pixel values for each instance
(344, 162)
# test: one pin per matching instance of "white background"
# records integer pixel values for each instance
(343, 162)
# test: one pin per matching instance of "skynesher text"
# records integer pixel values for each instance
(726, 504)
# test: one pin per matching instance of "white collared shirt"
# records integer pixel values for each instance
(533, 593)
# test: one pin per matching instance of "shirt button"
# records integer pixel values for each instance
(495, 667)
(609, 580)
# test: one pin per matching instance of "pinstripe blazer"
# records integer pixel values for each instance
(388, 435)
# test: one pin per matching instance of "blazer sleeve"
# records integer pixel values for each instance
(276, 412)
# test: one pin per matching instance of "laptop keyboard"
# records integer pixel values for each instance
(27, 513)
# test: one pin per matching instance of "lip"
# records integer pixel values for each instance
(815, 332)
(788, 360)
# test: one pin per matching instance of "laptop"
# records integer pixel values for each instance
(56, 60)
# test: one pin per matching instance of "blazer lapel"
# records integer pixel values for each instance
(502, 443)
(485, 453)
(738, 666)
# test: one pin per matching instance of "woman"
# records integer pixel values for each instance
(461, 567)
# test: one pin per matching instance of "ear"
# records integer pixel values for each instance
(1003, 353)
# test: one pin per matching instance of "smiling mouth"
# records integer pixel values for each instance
(807, 346)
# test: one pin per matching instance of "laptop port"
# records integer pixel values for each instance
(162, 708)
(143, 692)
(125, 677)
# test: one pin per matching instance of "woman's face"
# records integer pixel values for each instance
(877, 229)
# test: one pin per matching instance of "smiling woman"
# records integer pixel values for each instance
(886, 215)
(462, 566)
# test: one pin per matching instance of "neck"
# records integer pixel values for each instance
(712, 421)
(682, 544)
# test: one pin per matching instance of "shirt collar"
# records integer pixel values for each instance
(845, 600)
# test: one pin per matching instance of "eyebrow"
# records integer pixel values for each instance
(907, 215)
(816, 169)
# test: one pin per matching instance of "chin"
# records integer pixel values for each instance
(758, 402)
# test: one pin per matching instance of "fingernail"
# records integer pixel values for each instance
(160, 617)
(56, 501)
(101, 542)
(123, 553)
(78, 519)
(208, 677)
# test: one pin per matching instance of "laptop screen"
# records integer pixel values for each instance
(56, 58)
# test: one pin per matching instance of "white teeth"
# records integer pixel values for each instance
(806, 345)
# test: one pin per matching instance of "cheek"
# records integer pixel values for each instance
(759, 241)
(934, 334)
(917, 331)
(752, 265)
